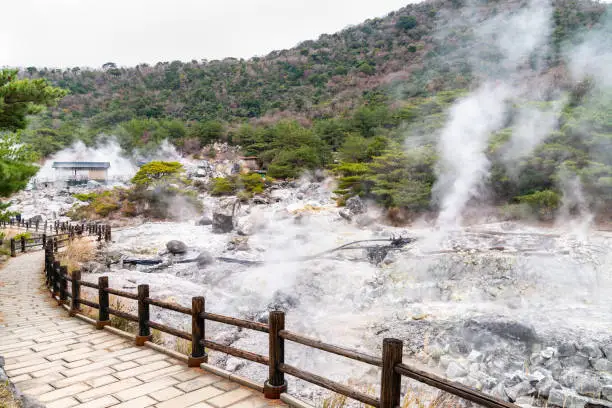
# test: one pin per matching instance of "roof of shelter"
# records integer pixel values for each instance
(81, 165)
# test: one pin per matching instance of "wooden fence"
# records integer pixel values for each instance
(57, 227)
(390, 363)
(64, 232)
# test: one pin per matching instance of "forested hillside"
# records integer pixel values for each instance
(351, 101)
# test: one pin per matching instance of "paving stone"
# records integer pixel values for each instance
(63, 403)
(188, 374)
(41, 389)
(230, 398)
(63, 392)
(198, 382)
(82, 377)
(108, 389)
(172, 370)
(137, 355)
(189, 399)
(133, 372)
(103, 402)
(89, 367)
(253, 402)
(166, 394)
(150, 359)
(20, 378)
(145, 388)
(100, 381)
(140, 402)
(68, 354)
(125, 365)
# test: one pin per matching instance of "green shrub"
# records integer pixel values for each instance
(25, 235)
(156, 171)
(251, 182)
(544, 203)
(222, 186)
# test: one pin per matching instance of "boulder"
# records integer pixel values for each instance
(588, 386)
(93, 267)
(356, 205)
(445, 360)
(205, 220)
(548, 353)
(36, 218)
(606, 392)
(607, 350)
(602, 364)
(455, 370)
(591, 350)
(245, 227)
(364, 220)
(223, 215)
(520, 390)
(545, 386)
(204, 259)
(475, 356)
(500, 392)
(566, 349)
(346, 214)
(260, 199)
(566, 399)
(525, 401)
(176, 247)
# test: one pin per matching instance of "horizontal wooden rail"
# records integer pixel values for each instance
(232, 351)
(89, 284)
(89, 303)
(330, 385)
(454, 388)
(170, 330)
(341, 351)
(122, 293)
(169, 306)
(124, 315)
(247, 324)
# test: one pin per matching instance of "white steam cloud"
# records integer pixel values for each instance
(517, 39)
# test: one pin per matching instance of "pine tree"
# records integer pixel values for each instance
(18, 99)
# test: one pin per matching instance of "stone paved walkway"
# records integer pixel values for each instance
(66, 362)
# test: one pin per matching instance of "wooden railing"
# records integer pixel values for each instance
(390, 363)
(102, 230)
(64, 232)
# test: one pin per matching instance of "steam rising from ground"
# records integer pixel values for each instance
(463, 166)
(122, 165)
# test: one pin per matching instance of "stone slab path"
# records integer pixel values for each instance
(66, 362)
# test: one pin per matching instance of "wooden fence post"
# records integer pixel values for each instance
(44, 241)
(55, 278)
(144, 332)
(63, 285)
(76, 292)
(198, 352)
(55, 245)
(23, 243)
(103, 317)
(390, 381)
(13, 254)
(276, 384)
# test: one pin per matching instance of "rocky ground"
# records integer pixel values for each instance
(519, 312)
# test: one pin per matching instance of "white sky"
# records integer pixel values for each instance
(65, 33)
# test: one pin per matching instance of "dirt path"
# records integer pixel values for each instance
(66, 362)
